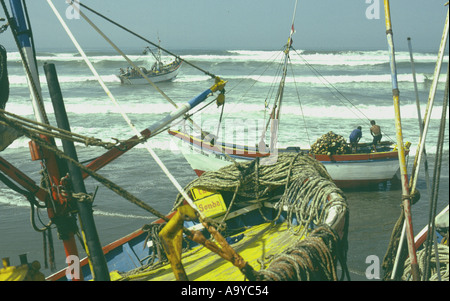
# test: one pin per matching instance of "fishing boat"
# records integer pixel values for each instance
(159, 71)
(367, 166)
(256, 229)
(363, 169)
(284, 221)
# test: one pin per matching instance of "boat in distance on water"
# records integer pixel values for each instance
(159, 72)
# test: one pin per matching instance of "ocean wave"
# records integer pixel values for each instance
(235, 105)
(19, 80)
(12, 198)
(121, 215)
(338, 58)
(330, 58)
(340, 79)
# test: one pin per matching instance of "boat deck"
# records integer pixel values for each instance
(256, 245)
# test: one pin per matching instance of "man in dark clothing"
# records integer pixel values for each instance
(354, 138)
(4, 82)
(7, 134)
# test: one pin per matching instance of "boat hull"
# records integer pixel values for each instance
(347, 170)
(167, 75)
(253, 237)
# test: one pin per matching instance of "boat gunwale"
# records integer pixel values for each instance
(243, 152)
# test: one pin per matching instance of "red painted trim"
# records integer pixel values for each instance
(199, 172)
(240, 151)
(207, 146)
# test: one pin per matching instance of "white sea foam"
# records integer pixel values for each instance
(345, 58)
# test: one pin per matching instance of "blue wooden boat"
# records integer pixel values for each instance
(258, 229)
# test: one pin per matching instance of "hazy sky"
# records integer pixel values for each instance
(242, 24)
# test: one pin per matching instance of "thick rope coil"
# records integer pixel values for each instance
(257, 182)
(443, 256)
(311, 259)
(306, 185)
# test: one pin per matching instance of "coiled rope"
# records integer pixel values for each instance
(306, 184)
(312, 259)
(255, 180)
(423, 261)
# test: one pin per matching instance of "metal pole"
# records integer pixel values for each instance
(28, 56)
(419, 115)
(427, 117)
(402, 237)
(55, 210)
(401, 150)
(96, 257)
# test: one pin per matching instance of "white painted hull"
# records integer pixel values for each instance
(347, 171)
(154, 77)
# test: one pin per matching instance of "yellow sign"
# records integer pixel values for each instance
(211, 204)
(198, 194)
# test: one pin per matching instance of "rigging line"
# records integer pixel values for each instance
(122, 112)
(130, 62)
(272, 91)
(436, 177)
(321, 77)
(30, 198)
(50, 130)
(108, 183)
(272, 60)
(300, 104)
(31, 31)
(34, 90)
(325, 81)
(125, 57)
(142, 38)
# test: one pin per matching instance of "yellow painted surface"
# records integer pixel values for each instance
(209, 203)
(259, 243)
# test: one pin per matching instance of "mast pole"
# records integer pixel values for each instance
(419, 116)
(401, 150)
(27, 54)
(56, 204)
(286, 56)
(94, 250)
(427, 117)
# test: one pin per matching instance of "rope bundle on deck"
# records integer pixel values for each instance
(331, 144)
(307, 193)
(303, 184)
(312, 259)
(255, 180)
(443, 259)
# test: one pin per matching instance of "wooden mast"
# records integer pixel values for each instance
(275, 114)
(401, 150)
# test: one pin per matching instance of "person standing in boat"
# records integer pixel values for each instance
(375, 131)
(355, 135)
